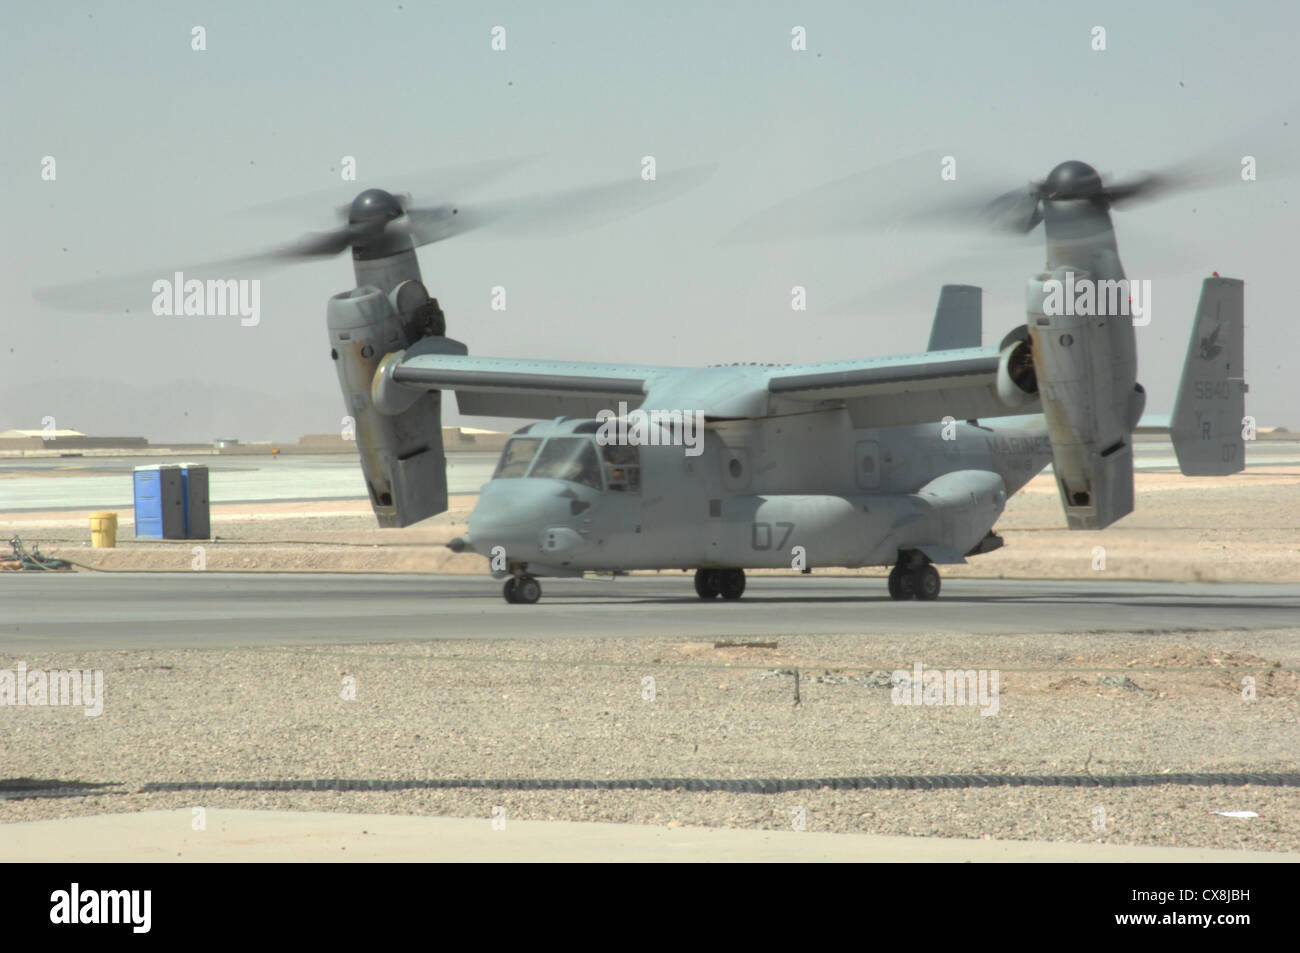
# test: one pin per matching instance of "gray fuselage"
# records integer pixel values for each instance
(803, 491)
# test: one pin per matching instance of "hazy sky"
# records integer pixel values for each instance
(158, 148)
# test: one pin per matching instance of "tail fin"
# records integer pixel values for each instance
(957, 319)
(1207, 423)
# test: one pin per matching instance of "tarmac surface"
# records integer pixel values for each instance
(243, 836)
(95, 612)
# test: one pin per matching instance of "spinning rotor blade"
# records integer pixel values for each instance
(132, 294)
(458, 179)
(848, 205)
(554, 214)
(911, 192)
(324, 244)
(379, 221)
(1016, 212)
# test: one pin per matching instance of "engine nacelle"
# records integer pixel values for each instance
(1086, 371)
(1017, 377)
(401, 446)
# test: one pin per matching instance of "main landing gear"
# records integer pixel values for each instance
(910, 580)
(728, 583)
(522, 590)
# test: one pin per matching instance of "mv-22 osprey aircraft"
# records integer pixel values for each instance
(902, 461)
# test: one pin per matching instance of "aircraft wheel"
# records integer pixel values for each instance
(528, 591)
(902, 584)
(731, 583)
(707, 583)
(510, 590)
(927, 583)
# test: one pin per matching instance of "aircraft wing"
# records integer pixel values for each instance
(518, 387)
(896, 391)
(877, 392)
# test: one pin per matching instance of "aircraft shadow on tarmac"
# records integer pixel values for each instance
(1121, 602)
(768, 785)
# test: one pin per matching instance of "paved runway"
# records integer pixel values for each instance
(90, 611)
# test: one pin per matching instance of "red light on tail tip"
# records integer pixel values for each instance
(1216, 274)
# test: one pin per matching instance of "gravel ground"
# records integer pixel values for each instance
(1100, 703)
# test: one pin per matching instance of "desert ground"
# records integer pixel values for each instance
(1086, 704)
(1095, 703)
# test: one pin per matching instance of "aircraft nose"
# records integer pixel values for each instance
(513, 513)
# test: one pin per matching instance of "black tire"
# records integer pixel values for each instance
(706, 583)
(902, 584)
(731, 583)
(528, 591)
(927, 583)
(509, 589)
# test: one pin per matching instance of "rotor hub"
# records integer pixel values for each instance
(374, 205)
(1072, 180)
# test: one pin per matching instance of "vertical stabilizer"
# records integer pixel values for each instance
(1207, 424)
(958, 318)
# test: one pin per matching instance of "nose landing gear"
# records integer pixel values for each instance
(728, 583)
(522, 590)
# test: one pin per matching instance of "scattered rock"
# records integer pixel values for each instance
(1123, 681)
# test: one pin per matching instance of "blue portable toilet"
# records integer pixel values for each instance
(159, 502)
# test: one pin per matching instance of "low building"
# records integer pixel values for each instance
(65, 440)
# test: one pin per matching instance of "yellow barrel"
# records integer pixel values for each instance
(103, 530)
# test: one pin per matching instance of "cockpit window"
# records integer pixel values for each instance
(519, 452)
(569, 458)
(622, 467)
